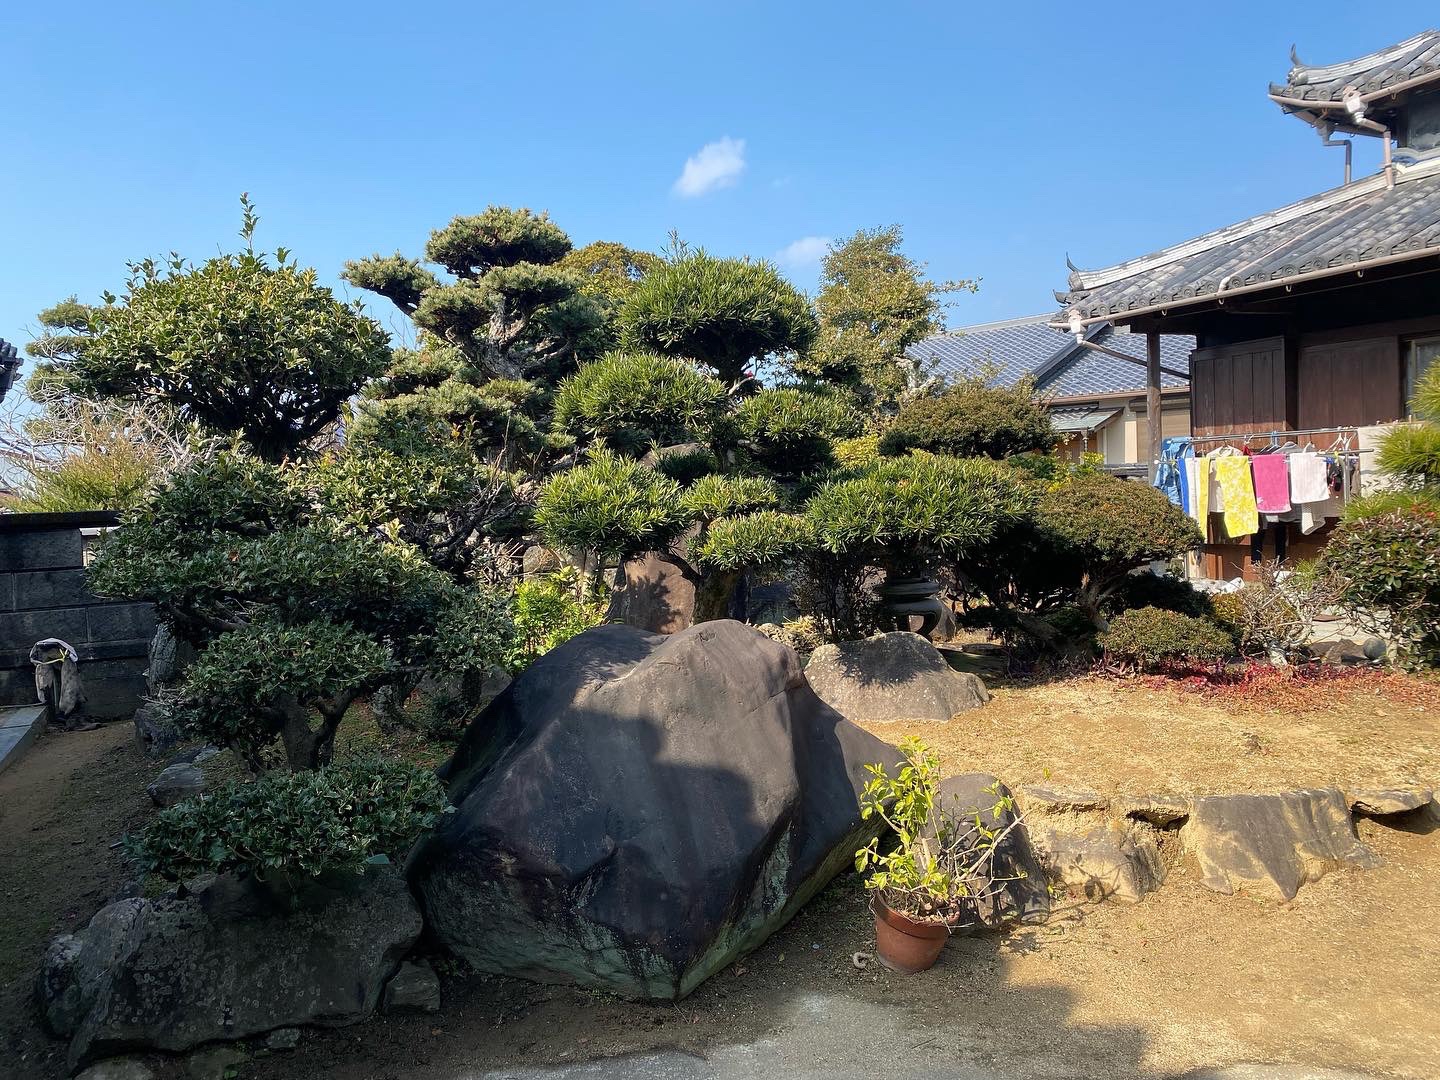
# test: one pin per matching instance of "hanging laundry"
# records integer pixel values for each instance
(1168, 471)
(1233, 474)
(1272, 483)
(1201, 494)
(1307, 478)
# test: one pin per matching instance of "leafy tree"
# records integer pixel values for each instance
(1412, 454)
(608, 273)
(635, 401)
(611, 506)
(239, 344)
(294, 614)
(510, 307)
(791, 430)
(1388, 569)
(728, 314)
(874, 303)
(972, 419)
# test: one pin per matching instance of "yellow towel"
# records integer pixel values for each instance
(1241, 517)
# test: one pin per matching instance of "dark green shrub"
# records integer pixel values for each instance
(684, 462)
(1159, 590)
(1388, 569)
(758, 540)
(1148, 638)
(789, 430)
(719, 496)
(729, 314)
(633, 401)
(972, 419)
(917, 508)
(611, 506)
(295, 824)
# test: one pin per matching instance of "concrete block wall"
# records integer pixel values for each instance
(43, 594)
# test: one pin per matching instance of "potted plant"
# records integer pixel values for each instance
(934, 878)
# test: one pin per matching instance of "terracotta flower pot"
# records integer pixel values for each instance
(905, 944)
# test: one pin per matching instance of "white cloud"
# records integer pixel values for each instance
(807, 251)
(717, 165)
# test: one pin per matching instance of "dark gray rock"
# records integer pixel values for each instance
(282, 1039)
(1017, 876)
(414, 989)
(1379, 802)
(1343, 651)
(230, 960)
(155, 734)
(894, 676)
(1105, 862)
(636, 811)
(654, 592)
(1045, 798)
(176, 783)
(1158, 808)
(1374, 648)
(167, 660)
(118, 1069)
(1272, 843)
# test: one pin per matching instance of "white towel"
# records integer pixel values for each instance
(1192, 488)
(1307, 478)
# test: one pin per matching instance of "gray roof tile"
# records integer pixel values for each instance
(1019, 347)
(1339, 230)
(1369, 74)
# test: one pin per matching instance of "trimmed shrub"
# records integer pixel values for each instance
(632, 401)
(789, 430)
(611, 506)
(295, 824)
(917, 507)
(729, 314)
(757, 540)
(685, 462)
(1144, 589)
(1149, 637)
(972, 419)
(718, 496)
(1388, 567)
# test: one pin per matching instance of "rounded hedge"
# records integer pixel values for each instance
(718, 496)
(300, 824)
(611, 506)
(632, 401)
(1389, 572)
(972, 419)
(753, 541)
(791, 430)
(1150, 637)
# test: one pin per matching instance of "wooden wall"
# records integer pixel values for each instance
(1349, 383)
(1240, 387)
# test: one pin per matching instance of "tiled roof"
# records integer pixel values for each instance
(1338, 231)
(1085, 419)
(1373, 73)
(1016, 348)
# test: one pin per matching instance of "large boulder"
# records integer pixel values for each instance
(654, 592)
(230, 960)
(1272, 843)
(894, 676)
(636, 811)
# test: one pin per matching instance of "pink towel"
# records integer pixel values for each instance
(1272, 483)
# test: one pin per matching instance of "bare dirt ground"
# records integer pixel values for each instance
(1342, 977)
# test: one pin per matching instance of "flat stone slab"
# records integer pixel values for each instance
(1045, 798)
(20, 725)
(1377, 802)
(1273, 843)
(1105, 862)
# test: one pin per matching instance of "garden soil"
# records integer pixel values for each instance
(1342, 977)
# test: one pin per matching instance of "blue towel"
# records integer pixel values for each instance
(1170, 476)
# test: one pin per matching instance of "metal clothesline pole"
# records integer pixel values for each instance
(1224, 436)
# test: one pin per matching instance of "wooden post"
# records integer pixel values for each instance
(1152, 397)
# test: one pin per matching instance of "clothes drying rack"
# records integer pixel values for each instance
(1280, 436)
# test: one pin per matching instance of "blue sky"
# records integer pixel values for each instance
(1001, 137)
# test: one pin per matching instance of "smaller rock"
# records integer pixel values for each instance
(984, 648)
(538, 561)
(205, 753)
(1158, 808)
(283, 1039)
(118, 1069)
(1343, 651)
(176, 783)
(214, 1062)
(889, 677)
(1374, 648)
(1047, 799)
(414, 989)
(1378, 802)
(1017, 889)
(155, 735)
(1105, 862)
